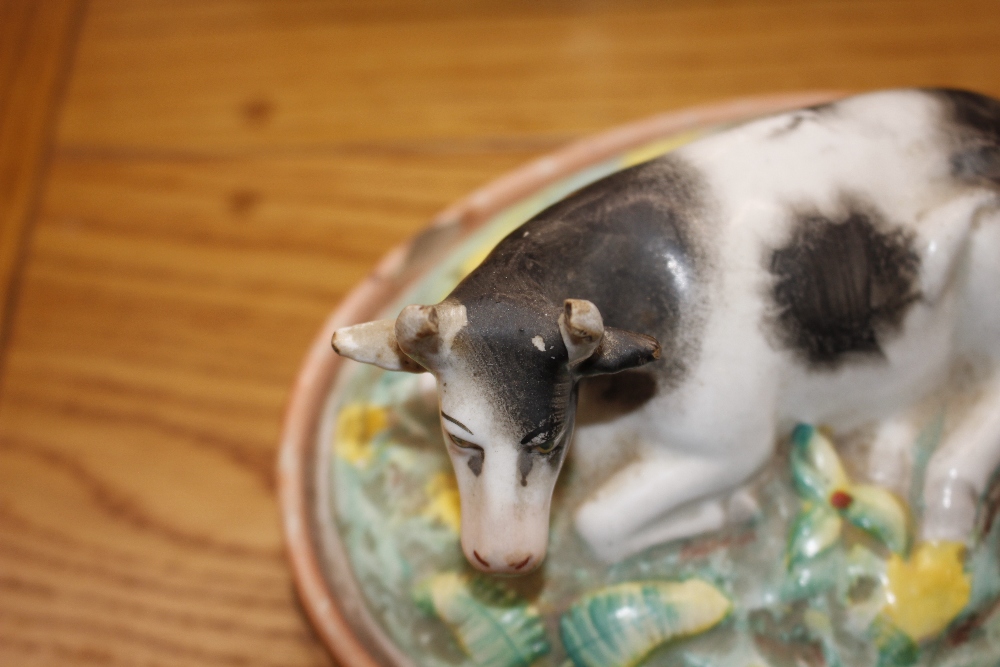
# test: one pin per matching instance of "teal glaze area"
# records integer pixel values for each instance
(803, 584)
(491, 625)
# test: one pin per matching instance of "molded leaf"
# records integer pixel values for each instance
(880, 514)
(618, 626)
(491, 625)
(816, 468)
(815, 530)
(895, 647)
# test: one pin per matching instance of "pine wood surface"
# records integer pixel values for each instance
(220, 175)
(36, 41)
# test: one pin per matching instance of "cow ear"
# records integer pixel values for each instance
(425, 333)
(418, 332)
(620, 350)
(582, 329)
(374, 343)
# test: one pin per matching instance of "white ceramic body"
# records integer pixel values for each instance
(697, 441)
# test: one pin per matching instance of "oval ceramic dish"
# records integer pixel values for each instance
(369, 508)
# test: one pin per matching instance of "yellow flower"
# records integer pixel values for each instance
(357, 424)
(925, 593)
(444, 504)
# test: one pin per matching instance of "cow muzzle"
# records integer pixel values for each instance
(509, 545)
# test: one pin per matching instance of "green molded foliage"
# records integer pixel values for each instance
(620, 625)
(816, 468)
(816, 529)
(820, 627)
(829, 496)
(880, 514)
(491, 625)
(895, 648)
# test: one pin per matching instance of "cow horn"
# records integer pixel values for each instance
(374, 343)
(582, 329)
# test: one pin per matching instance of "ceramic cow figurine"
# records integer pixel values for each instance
(834, 265)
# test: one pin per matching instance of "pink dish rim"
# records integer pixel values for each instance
(299, 442)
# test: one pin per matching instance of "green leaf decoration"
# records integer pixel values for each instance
(620, 625)
(820, 479)
(491, 625)
(880, 514)
(816, 468)
(895, 648)
(816, 529)
(820, 627)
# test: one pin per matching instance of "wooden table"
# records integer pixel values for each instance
(189, 186)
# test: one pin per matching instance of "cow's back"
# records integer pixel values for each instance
(786, 251)
(824, 220)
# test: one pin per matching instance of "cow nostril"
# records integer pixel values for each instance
(518, 566)
(480, 558)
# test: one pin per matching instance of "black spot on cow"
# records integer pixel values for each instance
(842, 285)
(972, 123)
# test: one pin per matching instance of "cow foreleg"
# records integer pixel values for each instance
(961, 468)
(660, 499)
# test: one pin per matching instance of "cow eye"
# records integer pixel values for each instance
(546, 447)
(464, 444)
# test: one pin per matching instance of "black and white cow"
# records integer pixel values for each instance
(831, 265)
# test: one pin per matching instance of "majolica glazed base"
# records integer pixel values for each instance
(826, 572)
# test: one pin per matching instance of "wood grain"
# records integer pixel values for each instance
(36, 42)
(316, 75)
(165, 311)
(221, 174)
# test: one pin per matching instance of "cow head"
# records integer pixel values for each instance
(507, 374)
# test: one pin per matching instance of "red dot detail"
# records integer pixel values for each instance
(841, 500)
